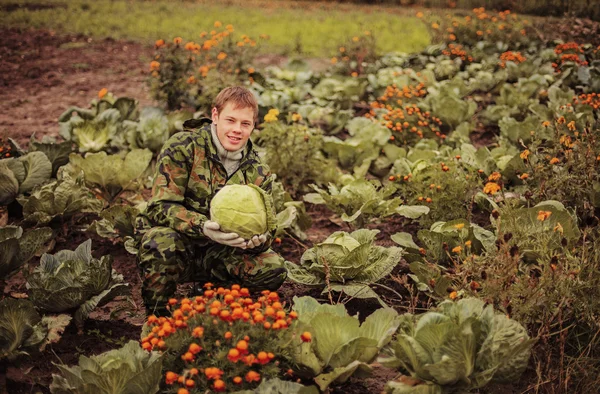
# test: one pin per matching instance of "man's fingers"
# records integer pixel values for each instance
(212, 225)
(262, 238)
(238, 244)
(230, 236)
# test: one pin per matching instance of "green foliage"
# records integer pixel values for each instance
(292, 151)
(460, 346)
(90, 132)
(18, 247)
(125, 370)
(340, 347)
(449, 106)
(111, 174)
(23, 330)
(21, 175)
(291, 215)
(444, 179)
(357, 152)
(117, 223)
(151, 131)
(70, 280)
(57, 152)
(360, 201)
(565, 168)
(545, 226)
(246, 210)
(346, 263)
(61, 199)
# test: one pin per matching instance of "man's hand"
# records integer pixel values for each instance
(257, 240)
(213, 231)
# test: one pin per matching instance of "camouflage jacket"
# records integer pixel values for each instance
(188, 174)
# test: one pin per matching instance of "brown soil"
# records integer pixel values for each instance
(44, 73)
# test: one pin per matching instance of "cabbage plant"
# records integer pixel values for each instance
(243, 209)
(459, 347)
(89, 132)
(17, 248)
(23, 330)
(151, 131)
(21, 175)
(74, 281)
(291, 215)
(117, 223)
(445, 236)
(60, 199)
(111, 174)
(346, 262)
(361, 200)
(129, 369)
(340, 346)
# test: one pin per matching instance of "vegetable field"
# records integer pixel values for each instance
(437, 199)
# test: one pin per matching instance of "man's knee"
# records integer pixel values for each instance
(161, 243)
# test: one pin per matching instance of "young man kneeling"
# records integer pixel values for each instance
(179, 242)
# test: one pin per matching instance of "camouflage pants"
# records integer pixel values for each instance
(167, 257)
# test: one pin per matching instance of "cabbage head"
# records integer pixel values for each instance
(74, 281)
(349, 261)
(243, 209)
(460, 347)
(129, 369)
(21, 175)
(23, 330)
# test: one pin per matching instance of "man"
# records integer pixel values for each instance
(179, 241)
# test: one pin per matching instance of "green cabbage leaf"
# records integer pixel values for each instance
(129, 369)
(23, 330)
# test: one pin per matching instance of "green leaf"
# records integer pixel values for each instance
(18, 321)
(341, 374)
(9, 185)
(380, 325)
(38, 169)
(332, 333)
(412, 211)
(111, 173)
(74, 279)
(405, 240)
(57, 153)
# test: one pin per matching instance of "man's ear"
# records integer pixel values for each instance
(215, 114)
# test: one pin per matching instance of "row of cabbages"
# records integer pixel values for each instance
(459, 346)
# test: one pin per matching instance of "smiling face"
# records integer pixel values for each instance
(234, 125)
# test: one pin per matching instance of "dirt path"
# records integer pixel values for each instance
(43, 74)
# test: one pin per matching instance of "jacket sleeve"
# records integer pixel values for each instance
(166, 206)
